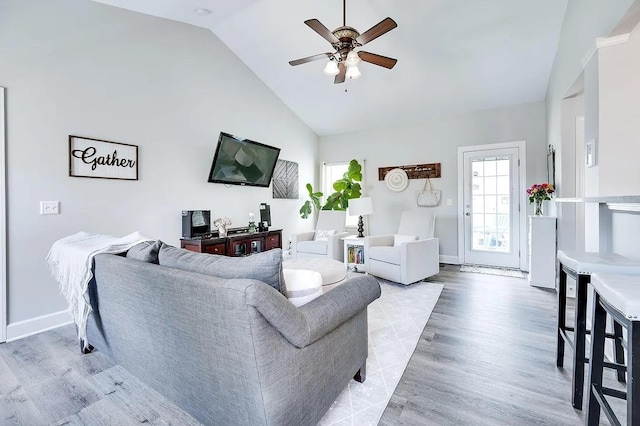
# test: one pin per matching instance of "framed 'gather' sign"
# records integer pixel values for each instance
(95, 158)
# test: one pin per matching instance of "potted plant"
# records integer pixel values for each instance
(346, 188)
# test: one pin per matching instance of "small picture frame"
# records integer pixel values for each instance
(95, 158)
(590, 153)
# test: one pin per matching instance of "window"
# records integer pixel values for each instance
(331, 172)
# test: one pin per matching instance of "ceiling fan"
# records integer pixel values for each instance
(343, 62)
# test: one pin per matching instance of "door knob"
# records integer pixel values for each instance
(468, 214)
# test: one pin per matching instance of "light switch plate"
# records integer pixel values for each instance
(49, 207)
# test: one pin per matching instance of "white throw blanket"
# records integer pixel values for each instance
(70, 261)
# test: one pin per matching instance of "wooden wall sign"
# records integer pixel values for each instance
(95, 158)
(416, 171)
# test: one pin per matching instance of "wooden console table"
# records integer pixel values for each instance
(236, 244)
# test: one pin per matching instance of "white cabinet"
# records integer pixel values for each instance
(542, 251)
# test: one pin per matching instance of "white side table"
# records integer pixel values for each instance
(542, 251)
(354, 253)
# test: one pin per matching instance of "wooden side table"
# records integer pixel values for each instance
(354, 253)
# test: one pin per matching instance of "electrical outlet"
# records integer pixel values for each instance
(49, 207)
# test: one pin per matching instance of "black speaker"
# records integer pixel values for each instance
(196, 223)
(265, 217)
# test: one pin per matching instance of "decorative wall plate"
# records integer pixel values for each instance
(396, 180)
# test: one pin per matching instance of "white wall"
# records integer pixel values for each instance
(437, 142)
(566, 180)
(83, 68)
(619, 95)
(584, 21)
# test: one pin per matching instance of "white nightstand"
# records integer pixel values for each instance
(354, 253)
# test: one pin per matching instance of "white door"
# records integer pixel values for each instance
(490, 207)
(3, 227)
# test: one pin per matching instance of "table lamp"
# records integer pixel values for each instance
(360, 207)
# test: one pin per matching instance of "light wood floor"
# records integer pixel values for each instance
(486, 357)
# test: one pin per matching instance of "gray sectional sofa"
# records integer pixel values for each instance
(216, 336)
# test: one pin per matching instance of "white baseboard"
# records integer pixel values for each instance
(21, 329)
(453, 260)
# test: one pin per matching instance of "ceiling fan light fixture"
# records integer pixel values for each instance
(353, 73)
(331, 68)
(352, 59)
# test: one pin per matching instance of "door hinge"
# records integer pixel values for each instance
(518, 162)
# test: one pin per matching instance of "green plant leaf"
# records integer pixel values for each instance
(305, 210)
(340, 185)
(355, 171)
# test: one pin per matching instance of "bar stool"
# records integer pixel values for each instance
(618, 296)
(580, 266)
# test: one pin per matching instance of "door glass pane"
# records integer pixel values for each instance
(491, 204)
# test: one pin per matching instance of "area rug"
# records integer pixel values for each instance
(396, 321)
(506, 272)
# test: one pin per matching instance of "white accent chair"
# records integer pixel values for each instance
(305, 245)
(410, 255)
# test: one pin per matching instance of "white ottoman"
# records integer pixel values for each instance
(332, 271)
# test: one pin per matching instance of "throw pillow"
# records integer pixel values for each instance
(146, 251)
(302, 285)
(265, 266)
(399, 239)
(324, 235)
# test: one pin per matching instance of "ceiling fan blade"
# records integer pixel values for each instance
(310, 59)
(341, 75)
(376, 31)
(379, 60)
(317, 26)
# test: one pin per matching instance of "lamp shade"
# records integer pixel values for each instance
(331, 68)
(360, 206)
(353, 73)
(352, 59)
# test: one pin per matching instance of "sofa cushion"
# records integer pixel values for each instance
(265, 266)
(315, 247)
(399, 239)
(302, 285)
(385, 254)
(324, 235)
(146, 251)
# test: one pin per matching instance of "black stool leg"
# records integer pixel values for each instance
(579, 339)
(596, 360)
(617, 345)
(633, 369)
(562, 314)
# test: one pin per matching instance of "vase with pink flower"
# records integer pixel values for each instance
(538, 193)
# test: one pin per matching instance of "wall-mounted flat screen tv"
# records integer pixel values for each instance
(239, 161)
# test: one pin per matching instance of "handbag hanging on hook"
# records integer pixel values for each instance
(428, 197)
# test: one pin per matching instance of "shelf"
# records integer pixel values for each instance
(625, 203)
(618, 199)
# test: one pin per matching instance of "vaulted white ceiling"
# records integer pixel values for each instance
(454, 56)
